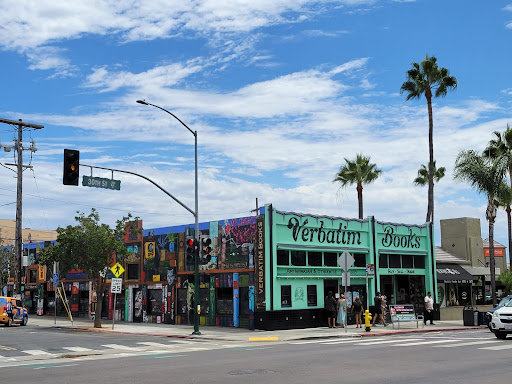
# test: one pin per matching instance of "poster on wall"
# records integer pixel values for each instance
(236, 245)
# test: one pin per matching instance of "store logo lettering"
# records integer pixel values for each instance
(405, 241)
(322, 235)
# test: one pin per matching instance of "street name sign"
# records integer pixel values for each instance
(116, 285)
(100, 182)
(117, 269)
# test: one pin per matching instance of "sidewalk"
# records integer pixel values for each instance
(241, 334)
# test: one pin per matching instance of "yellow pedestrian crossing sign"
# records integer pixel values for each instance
(117, 269)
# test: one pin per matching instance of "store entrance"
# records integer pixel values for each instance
(402, 289)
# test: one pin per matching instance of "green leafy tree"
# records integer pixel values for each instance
(90, 246)
(422, 178)
(485, 175)
(505, 278)
(427, 79)
(501, 146)
(359, 171)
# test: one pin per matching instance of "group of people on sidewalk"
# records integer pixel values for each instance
(337, 310)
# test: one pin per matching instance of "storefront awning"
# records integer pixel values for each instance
(453, 273)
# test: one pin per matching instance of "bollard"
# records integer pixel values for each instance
(367, 321)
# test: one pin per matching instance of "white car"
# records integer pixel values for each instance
(501, 321)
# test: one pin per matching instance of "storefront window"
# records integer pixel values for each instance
(407, 261)
(383, 260)
(283, 257)
(394, 261)
(298, 258)
(133, 271)
(360, 260)
(286, 296)
(419, 261)
(312, 296)
(330, 259)
(315, 259)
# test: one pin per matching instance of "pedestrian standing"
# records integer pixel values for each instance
(378, 310)
(357, 308)
(330, 308)
(9, 309)
(429, 309)
(342, 311)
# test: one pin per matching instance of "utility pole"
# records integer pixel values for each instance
(18, 147)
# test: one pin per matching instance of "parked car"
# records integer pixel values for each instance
(19, 313)
(501, 323)
(502, 302)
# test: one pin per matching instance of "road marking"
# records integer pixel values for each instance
(78, 349)
(384, 342)
(56, 366)
(153, 344)
(467, 343)
(5, 348)
(498, 347)
(268, 338)
(357, 340)
(122, 347)
(38, 352)
(425, 343)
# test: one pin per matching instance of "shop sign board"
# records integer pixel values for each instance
(404, 312)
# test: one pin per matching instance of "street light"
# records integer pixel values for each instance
(196, 217)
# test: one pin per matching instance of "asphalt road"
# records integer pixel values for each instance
(472, 356)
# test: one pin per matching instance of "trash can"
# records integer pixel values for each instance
(470, 316)
(482, 318)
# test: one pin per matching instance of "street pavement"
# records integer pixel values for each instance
(243, 334)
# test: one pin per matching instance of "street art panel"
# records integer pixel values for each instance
(236, 243)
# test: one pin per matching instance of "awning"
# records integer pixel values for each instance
(453, 273)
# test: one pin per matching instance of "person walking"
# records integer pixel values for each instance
(429, 309)
(378, 310)
(342, 311)
(9, 309)
(357, 309)
(330, 308)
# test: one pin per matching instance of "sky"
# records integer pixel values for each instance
(280, 92)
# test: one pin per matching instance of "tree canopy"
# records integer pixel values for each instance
(90, 246)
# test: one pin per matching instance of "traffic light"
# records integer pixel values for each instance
(71, 167)
(206, 249)
(190, 250)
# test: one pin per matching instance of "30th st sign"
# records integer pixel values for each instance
(100, 182)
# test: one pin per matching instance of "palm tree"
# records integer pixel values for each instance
(358, 172)
(422, 180)
(426, 78)
(501, 145)
(504, 200)
(485, 175)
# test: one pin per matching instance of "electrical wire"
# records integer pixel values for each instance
(37, 188)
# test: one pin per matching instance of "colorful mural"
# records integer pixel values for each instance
(236, 243)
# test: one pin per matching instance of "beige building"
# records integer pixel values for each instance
(8, 230)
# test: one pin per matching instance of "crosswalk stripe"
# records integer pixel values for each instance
(153, 344)
(498, 347)
(123, 347)
(468, 343)
(78, 349)
(37, 352)
(425, 343)
(386, 342)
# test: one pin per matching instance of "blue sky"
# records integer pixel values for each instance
(279, 91)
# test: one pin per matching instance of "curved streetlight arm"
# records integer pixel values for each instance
(145, 178)
(170, 113)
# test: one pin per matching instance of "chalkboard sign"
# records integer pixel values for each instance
(403, 312)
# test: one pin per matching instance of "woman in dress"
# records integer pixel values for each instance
(357, 308)
(342, 311)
